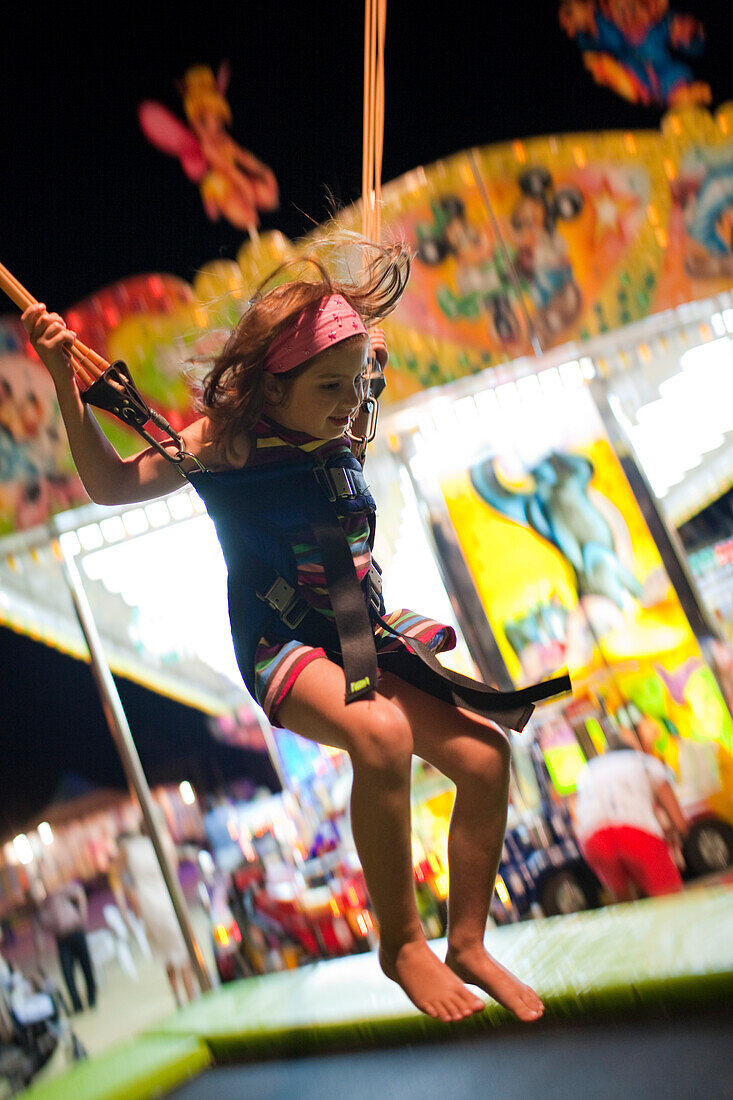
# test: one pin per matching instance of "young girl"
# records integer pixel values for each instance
(271, 457)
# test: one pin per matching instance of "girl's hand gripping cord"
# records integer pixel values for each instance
(107, 386)
(51, 340)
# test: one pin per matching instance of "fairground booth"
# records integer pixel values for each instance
(552, 467)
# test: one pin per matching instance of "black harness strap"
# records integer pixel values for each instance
(357, 609)
(511, 708)
(358, 649)
(115, 392)
(356, 636)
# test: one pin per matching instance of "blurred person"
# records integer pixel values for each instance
(628, 821)
(147, 895)
(62, 913)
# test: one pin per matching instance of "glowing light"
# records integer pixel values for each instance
(113, 529)
(157, 513)
(364, 922)
(502, 892)
(135, 522)
(221, 935)
(45, 833)
(440, 886)
(90, 536)
(23, 850)
(166, 625)
(435, 865)
(188, 795)
(335, 907)
(181, 505)
(571, 374)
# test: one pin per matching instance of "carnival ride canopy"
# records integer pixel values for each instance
(519, 249)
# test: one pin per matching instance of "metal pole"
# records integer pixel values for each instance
(125, 745)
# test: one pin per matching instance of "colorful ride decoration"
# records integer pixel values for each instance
(642, 51)
(234, 184)
(524, 246)
(519, 247)
(581, 583)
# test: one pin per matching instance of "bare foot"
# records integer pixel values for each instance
(431, 986)
(477, 967)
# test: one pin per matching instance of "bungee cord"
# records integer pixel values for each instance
(88, 364)
(375, 25)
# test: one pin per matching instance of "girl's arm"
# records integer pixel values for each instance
(107, 477)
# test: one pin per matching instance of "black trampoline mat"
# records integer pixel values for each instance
(687, 1058)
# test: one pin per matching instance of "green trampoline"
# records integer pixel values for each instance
(635, 995)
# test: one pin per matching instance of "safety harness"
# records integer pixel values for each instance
(358, 606)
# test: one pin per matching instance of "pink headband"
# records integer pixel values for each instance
(319, 326)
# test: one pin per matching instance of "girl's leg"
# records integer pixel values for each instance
(475, 754)
(378, 739)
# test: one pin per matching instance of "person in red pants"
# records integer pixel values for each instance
(625, 810)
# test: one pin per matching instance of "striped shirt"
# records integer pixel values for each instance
(278, 664)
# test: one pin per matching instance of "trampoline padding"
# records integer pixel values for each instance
(649, 956)
(147, 1067)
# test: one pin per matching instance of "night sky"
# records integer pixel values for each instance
(87, 201)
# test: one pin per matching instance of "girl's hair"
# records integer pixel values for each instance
(233, 391)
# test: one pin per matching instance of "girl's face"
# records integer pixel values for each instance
(321, 400)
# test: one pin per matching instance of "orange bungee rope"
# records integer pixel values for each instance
(375, 24)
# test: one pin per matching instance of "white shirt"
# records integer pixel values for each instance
(617, 788)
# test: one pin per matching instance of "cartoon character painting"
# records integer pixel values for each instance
(560, 509)
(541, 252)
(36, 476)
(484, 281)
(704, 193)
(234, 184)
(558, 504)
(635, 47)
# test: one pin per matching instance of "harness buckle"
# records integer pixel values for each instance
(340, 482)
(375, 588)
(284, 601)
